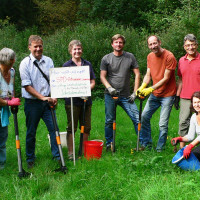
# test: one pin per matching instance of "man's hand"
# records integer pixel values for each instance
(112, 91)
(51, 101)
(144, 85)
(84, 98)
(13, 102)
(131, 98)
(146, 91)
(176, 102)
(187, 151)
(176, 140)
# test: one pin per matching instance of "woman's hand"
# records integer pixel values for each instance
(187, 151)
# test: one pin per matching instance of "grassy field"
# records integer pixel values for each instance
(146, 175)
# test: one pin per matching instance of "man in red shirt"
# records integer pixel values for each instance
(161, 65)
(188, 83)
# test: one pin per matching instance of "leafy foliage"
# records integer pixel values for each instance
(56, 14)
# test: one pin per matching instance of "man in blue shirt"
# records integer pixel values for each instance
(36, 90)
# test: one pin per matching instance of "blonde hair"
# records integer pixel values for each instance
(117, 36)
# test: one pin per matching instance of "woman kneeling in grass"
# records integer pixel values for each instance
(193, 129)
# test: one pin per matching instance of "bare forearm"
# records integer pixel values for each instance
(179, 87)
(3, 102)
(103, 79)
(92, 84)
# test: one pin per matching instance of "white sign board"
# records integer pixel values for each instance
(70, 82)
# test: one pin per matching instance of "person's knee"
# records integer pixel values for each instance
(87, 130)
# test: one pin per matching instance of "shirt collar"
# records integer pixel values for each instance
(73, 64)
(196, 58)
(33, 58)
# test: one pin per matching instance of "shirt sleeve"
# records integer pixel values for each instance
(92, 74)
(171, 62)
(104, 64)
(24, 74)
(192, 129)
(134, 63)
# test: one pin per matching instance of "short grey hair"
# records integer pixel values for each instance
(191, 38)
(34, 38)
(6, 55)
(72, 43)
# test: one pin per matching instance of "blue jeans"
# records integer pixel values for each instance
(34, 111)
(153, 103)
(110, 110)
(3, 139)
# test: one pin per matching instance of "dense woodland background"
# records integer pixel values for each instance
(94, 22)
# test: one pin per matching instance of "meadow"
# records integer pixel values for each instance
(145, 175)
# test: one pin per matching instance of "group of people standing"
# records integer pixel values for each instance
(115, 74)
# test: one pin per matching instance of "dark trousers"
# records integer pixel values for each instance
(34, 111)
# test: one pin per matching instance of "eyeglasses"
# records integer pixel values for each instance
(190, 45)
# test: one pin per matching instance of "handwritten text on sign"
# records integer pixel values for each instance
(70, 82)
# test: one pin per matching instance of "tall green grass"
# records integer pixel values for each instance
(143, 175)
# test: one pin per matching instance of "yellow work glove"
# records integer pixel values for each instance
(138, 91)
(146, 91)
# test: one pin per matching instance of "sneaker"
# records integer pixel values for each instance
(175, 149)
(30, 164)
(108, 147)
(70, 157)
(142, 148)
(2, 166)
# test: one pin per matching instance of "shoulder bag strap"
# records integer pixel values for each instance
(44, 75)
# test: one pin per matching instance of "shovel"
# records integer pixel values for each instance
(22, 172)
(82, 130)
(116, 97)
(141, 98)
(63, 168)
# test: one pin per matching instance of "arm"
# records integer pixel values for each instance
(36, 94)
(147, 77)
(3, 102)
(137, 78)
(179, 86)
(164, 80)
(103, 75)
(92, 84)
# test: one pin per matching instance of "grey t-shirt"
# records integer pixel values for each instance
(119, 69)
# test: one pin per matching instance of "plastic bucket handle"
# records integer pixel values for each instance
(99, 141)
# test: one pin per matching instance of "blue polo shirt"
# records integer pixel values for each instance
(77, 101)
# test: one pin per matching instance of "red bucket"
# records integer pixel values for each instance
(93, 149)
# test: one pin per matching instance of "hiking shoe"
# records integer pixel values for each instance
(2, 166)
(142, 148)
(70, 157)
(30, 164)
(108, 147)
(175, 149)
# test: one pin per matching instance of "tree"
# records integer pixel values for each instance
(20, 12)
(56, 14)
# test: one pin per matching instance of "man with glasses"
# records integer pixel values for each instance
(161, 65)
(188, 83)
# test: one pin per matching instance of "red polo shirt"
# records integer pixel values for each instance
(189, 71)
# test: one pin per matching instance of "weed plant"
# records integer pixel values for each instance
(126, 175)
